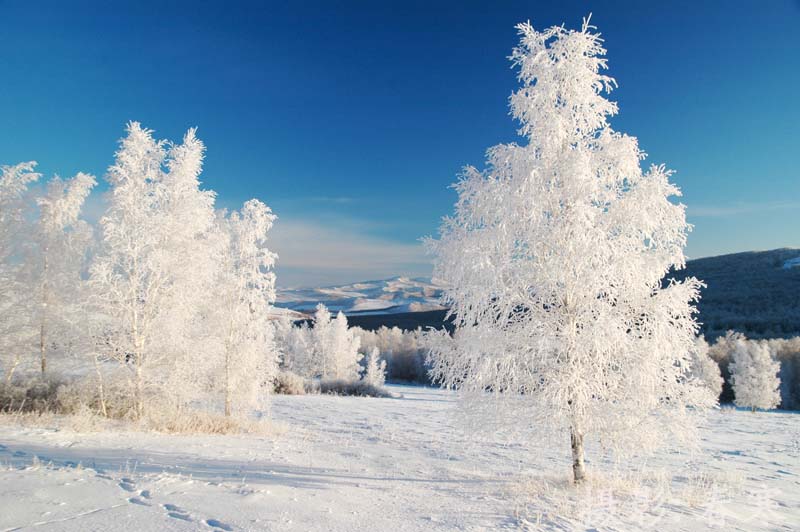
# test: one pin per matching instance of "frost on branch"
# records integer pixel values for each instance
(554, 260)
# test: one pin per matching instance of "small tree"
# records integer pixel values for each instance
(322, 353)
(344, 346)
(705, 369)
(754, 375)
(246, 288)
(375, 372)
(554, 262)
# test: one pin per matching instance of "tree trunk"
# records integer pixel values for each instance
(42, 335)
(139, 388)
(578, 468)
(42, 351)
(227, 384)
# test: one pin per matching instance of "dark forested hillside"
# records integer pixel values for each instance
(753, 293)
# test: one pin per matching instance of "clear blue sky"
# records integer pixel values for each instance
(351, 118)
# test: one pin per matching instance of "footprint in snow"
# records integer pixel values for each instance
(145, 494)
(176, 512)
(137, 500)
(127, 485)
(213, 523)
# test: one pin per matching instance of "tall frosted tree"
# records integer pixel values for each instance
(322, 353)
(754, 375)
(142, 277)
(16, 333)
(554, 262)
(246, 292)
(56, 260)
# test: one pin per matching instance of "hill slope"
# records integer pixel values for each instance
(757, 293)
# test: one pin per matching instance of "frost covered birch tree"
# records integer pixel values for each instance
(56, 261)
(705, 368)
(554, 263)
(754, 375)
(139, 278)
(246, 290)
(16, 333)
(375, 370)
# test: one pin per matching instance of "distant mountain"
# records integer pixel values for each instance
(388, 296)
(756, 293)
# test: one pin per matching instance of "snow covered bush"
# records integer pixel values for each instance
(754, 375)
(288, 383)
(706, 369)
(554, 261)
(375, 370)
(349, 387)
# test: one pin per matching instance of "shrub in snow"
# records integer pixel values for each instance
(554, 260)
(375, 371)
(288, 383)
(351, 387)
(34, 394)
(754, 376)
(705, 369)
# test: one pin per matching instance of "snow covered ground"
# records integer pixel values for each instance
(344, 463)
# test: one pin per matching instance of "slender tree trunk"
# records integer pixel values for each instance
(139, 393)
(42, 333)
(42, 351)
(101, 388)
(578, 468)
(10, 371)
(227, 383)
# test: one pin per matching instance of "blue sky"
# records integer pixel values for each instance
(352, 118)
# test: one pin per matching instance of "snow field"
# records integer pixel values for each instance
(348, 463)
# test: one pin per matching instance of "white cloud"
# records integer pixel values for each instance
(317, 253)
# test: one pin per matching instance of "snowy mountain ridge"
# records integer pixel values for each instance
(386, 296)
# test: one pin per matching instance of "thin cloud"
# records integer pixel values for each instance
(313, 253)
(734, 209)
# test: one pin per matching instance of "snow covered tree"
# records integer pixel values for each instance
(295, 345)
(322, 355)
(246, 292)
(375, 372)
(146, 278)
(335, 352)
(343, 349)
(16, 334)
(56, 260)
(754, 375)
(554, 263)
(705, 369)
